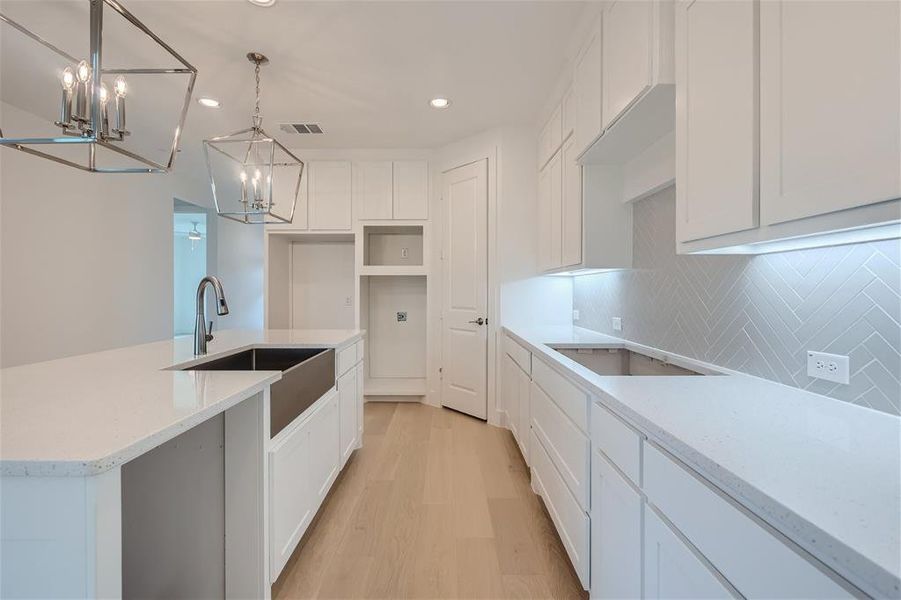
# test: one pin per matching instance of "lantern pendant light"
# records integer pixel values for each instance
(254, 179)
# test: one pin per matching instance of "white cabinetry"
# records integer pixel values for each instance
(385, 190)
(411, 189)
(347, 412)
(716, 125)
(615, 533)
(373, 189)
(515, 382)
(637, 52)
(830, 106)
(672, 570)
(550, 200)
(330, 195)
(551, 136)
(587, 91)
(827, 128)
(283, 190)
(303, 463)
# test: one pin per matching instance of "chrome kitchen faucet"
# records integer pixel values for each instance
(201, 336)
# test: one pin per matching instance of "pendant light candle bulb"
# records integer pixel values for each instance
(243, 177)
(65, 111)
(104, 109)
(82, 92)
(121, 89)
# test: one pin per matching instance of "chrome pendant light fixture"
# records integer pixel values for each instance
(88, 129)
(249, 170)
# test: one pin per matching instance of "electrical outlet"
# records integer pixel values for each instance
(575, 315)
(831, 367)
(616, 323)
(348, 301)
(402, 316)
(405, 253)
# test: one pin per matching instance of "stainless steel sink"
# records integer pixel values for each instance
(619, 361)
(307, 374)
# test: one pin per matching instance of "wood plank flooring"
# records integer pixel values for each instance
(435, 505)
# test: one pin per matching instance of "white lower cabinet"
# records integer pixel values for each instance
(615, 533)
(359, 395)
(348, 409)
(303, 463)
(671, 569)
(570, 520)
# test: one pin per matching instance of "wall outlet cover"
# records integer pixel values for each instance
(405, 253)
(616, 323)
(575, 315)
(831, 367)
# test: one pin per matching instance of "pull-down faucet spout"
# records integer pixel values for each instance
(201, 335)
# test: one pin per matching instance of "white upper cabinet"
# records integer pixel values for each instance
(373, 189)
(330, 195)
(411, 189)
(587, 90)
(550, 137)
(830, 136)
(568, 113)
(819, 153)
(626, 55)
(716, 117)
(571, 205)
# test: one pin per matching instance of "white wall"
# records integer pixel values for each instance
(86, 259)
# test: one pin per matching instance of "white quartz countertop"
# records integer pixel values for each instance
(86, 414)
(825, 473)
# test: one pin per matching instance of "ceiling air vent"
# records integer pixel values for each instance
(301, 128)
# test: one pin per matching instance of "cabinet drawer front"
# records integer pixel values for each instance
(522, 356)
(570, 520)
(761, 566)
(619, 442)
(565, 444)
(572, 400)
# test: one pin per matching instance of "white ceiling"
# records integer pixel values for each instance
(365, 71)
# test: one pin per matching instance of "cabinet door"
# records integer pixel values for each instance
(347, 413)
(324, 449)
(626, 55)
(545, 258)
(615, 533)
(291, 503)
(330, 195)
(716, 118)
(373, 189)
(830, 106)
(555, 175)
(525, 414)
(360, 372)
(587, 87)
(510, 385)
(550, 137)
(571, 206)
(411, 189)
(671, 569)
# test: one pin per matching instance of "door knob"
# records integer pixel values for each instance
(479, 321)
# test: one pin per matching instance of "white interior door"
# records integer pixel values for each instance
(465, 306)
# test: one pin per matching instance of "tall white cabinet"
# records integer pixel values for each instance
(330, 195)
(788, 122)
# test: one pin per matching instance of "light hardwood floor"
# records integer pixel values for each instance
(435, 505)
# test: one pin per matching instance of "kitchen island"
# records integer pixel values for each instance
(76, 431)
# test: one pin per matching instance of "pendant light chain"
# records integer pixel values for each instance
(257, 118)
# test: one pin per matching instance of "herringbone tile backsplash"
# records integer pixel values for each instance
(758, 315)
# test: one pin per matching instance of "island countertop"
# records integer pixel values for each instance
(86, 414)
(824, 473)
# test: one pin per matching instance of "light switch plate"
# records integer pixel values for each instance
(616, 323)
(831, 367)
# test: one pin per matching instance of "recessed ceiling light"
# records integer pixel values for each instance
(262, 2)
(439, 102)
(208, 102)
